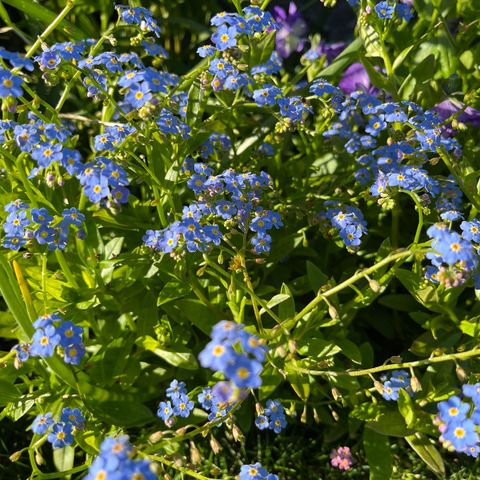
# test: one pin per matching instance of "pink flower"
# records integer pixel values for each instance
(341, 458)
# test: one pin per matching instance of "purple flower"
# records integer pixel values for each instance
(355, 78)
(447, 108)
(292, 29)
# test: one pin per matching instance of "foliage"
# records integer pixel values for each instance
(206, 246)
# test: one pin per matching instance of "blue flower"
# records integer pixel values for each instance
(262, 422)
(461, 434)
(472, 391)
(73, 416)
(253, 472)
(453, 409)
(165, 410)
(182, 405)
(384, 10)
(266, 95)
(10, 84)
(44, 342)
(244, 372)
(42, 423)
(225, 37)
(46, 153)
(61, 435)
(176, 389)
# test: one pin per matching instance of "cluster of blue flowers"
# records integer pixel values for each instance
(115, 462)
(178, 405)
(347, 221)
(398, 379)
(454, 258)
(458, 421)
(236, 353)
(139, 16)
(24, 225)
(273, 417)
(256, 472)
(364, 121)
(231, 198)
(53, 333)
(102, 179)
(217, 143)
(60, 434)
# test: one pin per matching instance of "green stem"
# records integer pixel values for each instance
(183, 470)
(70, 4)
(358, 276)
(66, 269)
(418, 232)
(397, 366)
(262, 303)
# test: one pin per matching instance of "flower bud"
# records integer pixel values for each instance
(374, 285)
(336, 394)
(38, 458)
(332, 311)
(155, 436)
(378, 386)
(303, 418)
(195, 456)
(415, 384)
(214, 445)
(237, 433)
(14, 457)
(461, 374)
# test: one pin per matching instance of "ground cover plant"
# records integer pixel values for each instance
(239, 239)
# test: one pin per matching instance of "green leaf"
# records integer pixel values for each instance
(349, 349)
(46, 16)
(196, 103)
(427, 452)
(113, 248)
(316, 277)
(424, 70)
(63, 458)
(198, 314)
(178, 356)
(379, 457)
(405, 407)
(122, 413)
(260, 51)
(377, 78)
(115, 406)
(402, 56)
(399, 301)
(276, 300)
(286, 309)
(318, 348)
(299, 382)
(390, 423)
(110, 361)
(369, 36)
(8, 393)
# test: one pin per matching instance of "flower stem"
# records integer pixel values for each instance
(354, 278)
(397, 366)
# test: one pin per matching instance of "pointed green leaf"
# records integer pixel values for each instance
(379, 457)
(427, 452)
